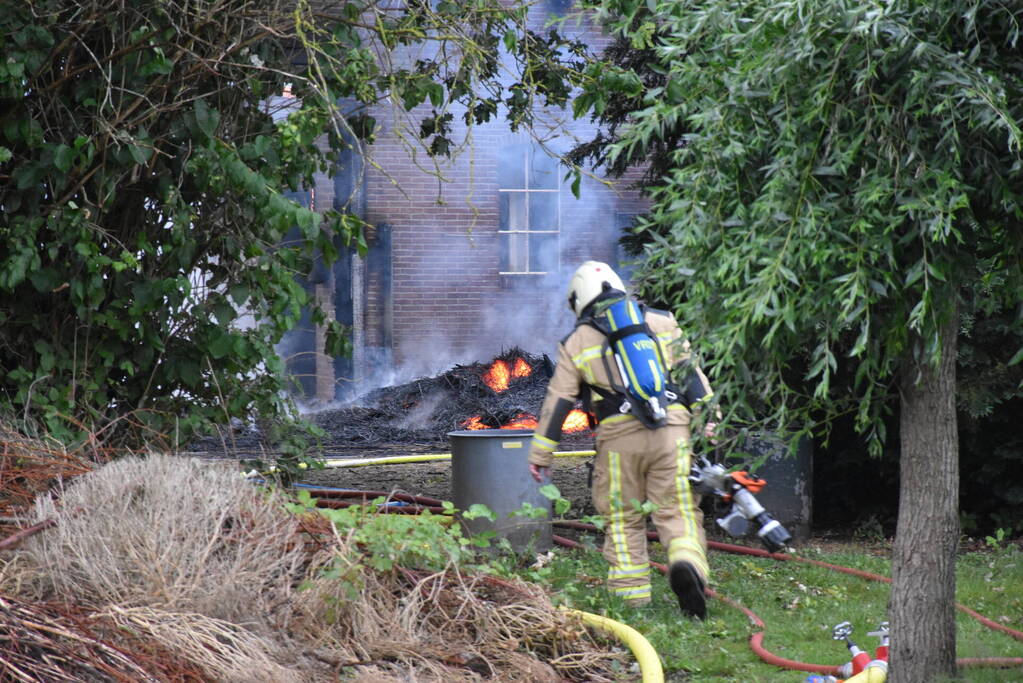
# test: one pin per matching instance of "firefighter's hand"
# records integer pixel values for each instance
(539, 472)
(708, 431)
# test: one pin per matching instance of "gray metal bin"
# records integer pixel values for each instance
(490, 467)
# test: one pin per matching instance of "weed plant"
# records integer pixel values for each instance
(799, 603)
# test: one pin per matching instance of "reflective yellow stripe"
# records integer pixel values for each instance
(617, 417)
(632, 314)
(587, 354)
(626, 572)
(682, 491)
(656, 373)
(543, 443)
(686, 547)
(582, 361)
(703, 399)
(632, 592)
(616, 516)
(689, 550)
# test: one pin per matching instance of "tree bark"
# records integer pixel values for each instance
(922, 603)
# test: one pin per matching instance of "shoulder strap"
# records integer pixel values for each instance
(621, 333)
(617, 393)
(595, 323)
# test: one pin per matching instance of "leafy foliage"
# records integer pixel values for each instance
(989, 383)
(148, 245)
(848, 173)
(849, 177)
(388, 541)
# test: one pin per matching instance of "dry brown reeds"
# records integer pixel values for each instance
(171, 534)
(447, 626)
(29, 467)
(192, 574)
(223, 650)
(41, 644)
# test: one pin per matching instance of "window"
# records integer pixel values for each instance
(530, 210)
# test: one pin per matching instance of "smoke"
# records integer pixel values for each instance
(434, 280)
(423, 413)
(445, 239)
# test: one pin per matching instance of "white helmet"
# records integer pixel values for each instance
(590, 280)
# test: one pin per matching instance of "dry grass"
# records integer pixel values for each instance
(170, 534)
(192, 574)
(224, 651)
(43, 644)
(446, 626)
(29, 467)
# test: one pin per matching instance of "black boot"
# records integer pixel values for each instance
(688, 586)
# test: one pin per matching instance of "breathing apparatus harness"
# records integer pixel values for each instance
(645, 391)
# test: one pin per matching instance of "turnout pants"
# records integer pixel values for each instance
(646, 465)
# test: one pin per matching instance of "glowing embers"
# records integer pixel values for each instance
(576, 421)
(475, 422)
(499, 374)
(521, 421)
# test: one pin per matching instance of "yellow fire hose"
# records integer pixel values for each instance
(875, 672)
(647, 658)
(424, 457)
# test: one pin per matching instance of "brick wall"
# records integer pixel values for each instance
(448, 304)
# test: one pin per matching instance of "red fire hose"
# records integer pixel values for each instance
(756, 640)
(418, 503)
(328, 497)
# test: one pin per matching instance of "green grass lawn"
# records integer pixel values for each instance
(799, 603)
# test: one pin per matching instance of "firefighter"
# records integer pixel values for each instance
(634, 463)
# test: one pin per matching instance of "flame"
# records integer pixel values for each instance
(499, 374)
(521, 421)
(576, 421)
(497, 377)
(474, 422)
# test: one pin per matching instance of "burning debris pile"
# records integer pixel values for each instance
(504, 394)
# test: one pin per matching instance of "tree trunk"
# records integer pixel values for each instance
(922, 605)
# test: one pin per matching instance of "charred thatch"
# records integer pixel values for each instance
(422, 412)
(425, 410)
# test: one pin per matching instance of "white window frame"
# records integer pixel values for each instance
(506, 242)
